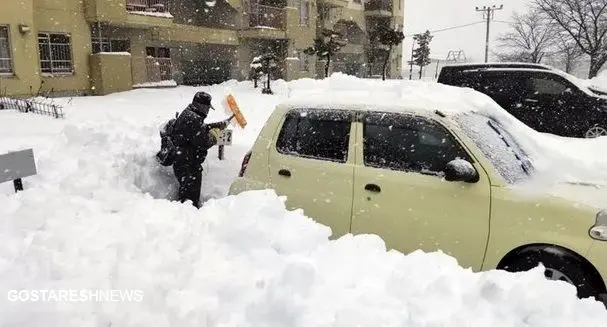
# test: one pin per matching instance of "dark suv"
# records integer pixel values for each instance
(545, 99)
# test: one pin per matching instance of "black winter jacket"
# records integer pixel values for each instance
(191, 137)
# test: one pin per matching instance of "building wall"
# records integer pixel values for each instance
(24, 53)
(185, 31)
(66, 16)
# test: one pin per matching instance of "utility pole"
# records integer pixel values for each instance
(489, 13)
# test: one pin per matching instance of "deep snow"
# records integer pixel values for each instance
(96, 217)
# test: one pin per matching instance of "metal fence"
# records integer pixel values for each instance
(33, 106)
(148, 5)
(267, 16)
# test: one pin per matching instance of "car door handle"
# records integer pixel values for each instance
(373, 188)
(284, 172)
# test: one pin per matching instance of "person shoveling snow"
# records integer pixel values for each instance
(186, 140)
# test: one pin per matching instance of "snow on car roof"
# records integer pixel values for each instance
(498, 64)
(351, 93)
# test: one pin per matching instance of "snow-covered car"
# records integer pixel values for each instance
(546, 99)
(424, 179)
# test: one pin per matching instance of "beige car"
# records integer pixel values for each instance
(426, 180)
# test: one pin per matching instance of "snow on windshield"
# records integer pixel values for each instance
(497, 145)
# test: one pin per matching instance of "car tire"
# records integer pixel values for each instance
(559, 267)
(595, 131)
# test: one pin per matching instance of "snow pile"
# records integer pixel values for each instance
(599, 82)
(166, 83)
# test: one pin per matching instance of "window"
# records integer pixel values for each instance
(317, 134)
(408, 143)
(6, 63)
(158, 62)
(543, 85)
(303, 12)
(498, 146)
(110, 45)
(102, 43)
(55, 53)
(304, 61)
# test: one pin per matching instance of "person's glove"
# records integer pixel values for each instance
(215, 133)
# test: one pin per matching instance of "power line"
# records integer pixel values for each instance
(452, 28)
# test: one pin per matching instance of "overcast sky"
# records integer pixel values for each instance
(439, 14)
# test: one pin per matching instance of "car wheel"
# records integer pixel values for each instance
(558, 267)
(595, 131)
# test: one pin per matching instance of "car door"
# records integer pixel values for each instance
(312, 163)
(556, 102)
(509, 89)
(400, 195)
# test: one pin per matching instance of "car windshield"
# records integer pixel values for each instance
(498, 146)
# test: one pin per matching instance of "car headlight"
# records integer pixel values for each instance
(598, 231)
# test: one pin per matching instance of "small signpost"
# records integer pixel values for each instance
(224, 139)
(16, 165)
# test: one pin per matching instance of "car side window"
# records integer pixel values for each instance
(503, 84)
(315, 134)
(542, 85)
(408, 143)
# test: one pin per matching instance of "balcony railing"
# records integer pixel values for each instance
(378, 5)
(267, 16)
(160, 6)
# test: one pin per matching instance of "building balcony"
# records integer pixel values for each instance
(378, 8)
(266, 22)
(149, 6)
(262, 16)
(129, 13)
(333, 3)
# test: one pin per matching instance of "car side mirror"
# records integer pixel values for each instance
(460, 170)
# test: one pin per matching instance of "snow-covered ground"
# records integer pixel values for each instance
(97, 217)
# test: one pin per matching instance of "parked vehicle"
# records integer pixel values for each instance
(544, 98)
(425, 180)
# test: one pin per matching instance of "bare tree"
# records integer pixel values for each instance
(567, 52)
(585, 21)
(529, 40)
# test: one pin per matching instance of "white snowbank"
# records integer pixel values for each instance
(245, 261)
(157, 84)
(152, 13)
(599, 82)
(95, 218)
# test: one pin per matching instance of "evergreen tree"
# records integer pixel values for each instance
(256, 70)
(421, 55)
(326, 47)
(389, 38)
(268, 63)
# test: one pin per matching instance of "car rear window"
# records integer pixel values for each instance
(315, 134)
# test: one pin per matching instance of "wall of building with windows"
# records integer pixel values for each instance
(37, 47)
(18, 49)
(62, 46)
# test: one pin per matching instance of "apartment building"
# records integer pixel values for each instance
(64, 47)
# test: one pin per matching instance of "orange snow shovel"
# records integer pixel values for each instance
(242, 122)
